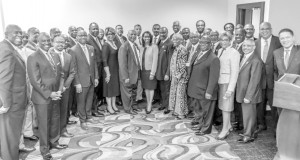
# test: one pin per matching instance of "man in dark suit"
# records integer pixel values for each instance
(264, 48)
(163, 67)
(86, 78)
(13, 96)
(129, 70)
(46, 77)
(94, 40)
(249, 28)
(248, 90)
(204, 71)
(200, 26)
(119, 38)
(155, 30)
(68, 68)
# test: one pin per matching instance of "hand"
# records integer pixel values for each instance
(187, 64)
(227, 95)
(96, 82)
(107, 78)
(207, 96)
(126, 80)
(246, 100)
(64, 89)
(3, 109)
(55, 95)
(78, 88)
(166, 78)
(151, 77)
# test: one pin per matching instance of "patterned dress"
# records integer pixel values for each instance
(179, 79)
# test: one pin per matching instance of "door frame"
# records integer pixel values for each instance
(260, 5)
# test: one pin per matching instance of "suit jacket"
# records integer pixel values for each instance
(293, 65)
(268, 71)
(128, 66)
(189, 49)
(85, 73)
(43, 77)
(164, 58)
(13, 78)
(68, 68)
(204, 76)
(249, 80)
(97, 51)
(72, 42)
(118, 42)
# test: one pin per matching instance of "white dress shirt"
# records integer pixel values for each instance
(86, 52)
(262, 44)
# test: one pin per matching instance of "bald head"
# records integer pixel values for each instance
(59, 43)
(14, 34)
(131, 35)
(163, 33)
(176, 26)
(249, 28)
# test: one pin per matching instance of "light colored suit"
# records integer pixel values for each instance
(151, 56)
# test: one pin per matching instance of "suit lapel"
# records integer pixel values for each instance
(133, 54)
(16, 52)
(92, 38)
(282, 58)
(203, 58)
(271, 49)
(247, 62)
(82, 53)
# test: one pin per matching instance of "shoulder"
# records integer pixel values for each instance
(278, 51)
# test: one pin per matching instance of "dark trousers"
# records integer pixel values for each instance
(217, 114)
(64, 110)
(164, 87)
(238, 113)
(99, 89)
(10, 133)
(157, 95)
(128, 95)
(249, 118)
(72, 103)
(267, 96)
(204, 112)
(48, 123)
(84, 103)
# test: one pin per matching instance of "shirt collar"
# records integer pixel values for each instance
(288, 49)
(15, 47)
(196, 45)
(248, 55)
(82, 45)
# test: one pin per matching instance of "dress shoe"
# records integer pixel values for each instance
(136, 110)
(154, 101)
(196, 127)
(260, 128)
(116, 110)
(161, 108)
(97, 114)
(32, 138)
(99, 103)
(167, 111)
(27, 149)
(47, 156)
(91, 120)
(111, 113)
(193, 123)
(148, 112)
(200, 133)
(84, 126)
(245, 139)
(66, 134)
(59, 146)
(119, 103)
(140, 101)
(75, 114)
(224, 137)
(71, 122)
(217, 123)
(131, 112)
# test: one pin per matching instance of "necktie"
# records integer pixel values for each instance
(140, 40)
(286, 58)
(61, 55)
(136, 55)
(86, 53)
(51, 61)
(99, 44)
(265, 51)
(242, 62)
(191, 54)
(155, 39)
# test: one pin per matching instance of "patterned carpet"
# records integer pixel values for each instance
(151, 137)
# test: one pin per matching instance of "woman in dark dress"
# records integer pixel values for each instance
(111, 86)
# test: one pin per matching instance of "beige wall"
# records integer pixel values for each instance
(285, 14)
(62, 13)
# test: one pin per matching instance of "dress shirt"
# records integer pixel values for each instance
(120, 38)
(252, 38)
(285, 52)
(199, 56)
(97, 41)
(61, 56)
(263, 43)
(245, 58)
(86, 53)
(192, 52)
(15, 47)
(135, 48)
(157, 39)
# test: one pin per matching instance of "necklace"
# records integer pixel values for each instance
(112, 44)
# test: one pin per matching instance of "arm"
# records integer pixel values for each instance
(214, 73)
(234, 70)
(34, 75)
(7, 64)
(123, 66)
(74, 57)
(155, 59)
(72, 73)
(254, 83)
(169, 56)
(275, 68)
(105, 56)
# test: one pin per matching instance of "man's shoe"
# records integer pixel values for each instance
(32, 138)
(136, 110)
(140, 101)
(193, 123)
(161, 108)
(75, 114)
(217, 123)
(119, 103)
(84, 126)
(167, 111)
(154, 101)
(27, 149)
(91, 120)
(72, 122)
(66, 134)
(47, 156)
(59, 146)
(131, 112)
(99, 103)
(96, 114)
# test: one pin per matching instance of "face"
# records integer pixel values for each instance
(94, 30)
(229, 28)
(214, 36)
(101, 34)
(239, 36)
(59, 43)
(155, 30)
(176, 41)
(34, 35)
(73, 32)
(45, 43)
(146, 38)
(110, 36)
(225, 42)
(82, 37)
(204, 45)
(67, 42)
(138, 30)
(186, 34)
(194, 39)
(248, 47)
(131, 36)
(119, 30)
(14, 35)
(207, 31)
(24, 39)
(163, 33)
(265, 30)
(249, 31)
(286, 39)
(55, 33)
(176, 27)
(200, 26)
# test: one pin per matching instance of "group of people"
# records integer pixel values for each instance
(203, 76)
